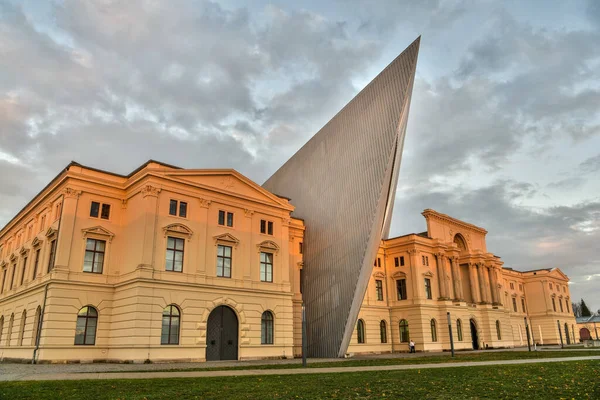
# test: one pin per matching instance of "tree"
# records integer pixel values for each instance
(585, 311)
(576, 309)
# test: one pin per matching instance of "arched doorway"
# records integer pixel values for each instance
(474, 337)
(222, 335)
(584, 334)
(567, 336)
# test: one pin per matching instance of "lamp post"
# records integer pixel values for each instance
(303, 335)
(560, 334)
(527, 333)
(450, 331)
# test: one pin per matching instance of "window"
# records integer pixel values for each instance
(85, 331)
(520, 287)
(402, 261)
(560, 304)
(224, 261)
(433, 331)
(98, 209)
(175, 205)
(22, 328)
(378, 262)
(23, 274)
(301, 249)
(35, 263)
(35, 328)
(396, 262)
(550, 285)
(498, 332)
(170, 325)
(523, 305)
(174, 260)
(379, 288)
(428, 288)
(564, 289)
(512, 286)
(459, 330)
(52, 252)
(94, 256)
(401, 289)
(383, 331)
(553, 305)
(360, 330)
(266, 267)
(404, 334)
(567, 305)
(225, 218)
(266, 227)
(12, 278)
(514, 301)
(3, 281)
(301, 280)
(10, 327)
(266, 328)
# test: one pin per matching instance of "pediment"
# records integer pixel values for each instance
(230, 182)
(226, 238)
(98, 230)
(559, 274)
(379, 274)
(179, 229)
(428, 274)
(51, 232)
(2, 264)
(35, 242)
(399, 275)
(23, 250)
(268, 245)
(12, 257)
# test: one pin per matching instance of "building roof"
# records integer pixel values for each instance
(583, 320)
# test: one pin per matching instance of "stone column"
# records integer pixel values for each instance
(490, 278)
(439, 258)
(495, 289)
(456, 278)
(473, 283)
(482, 294)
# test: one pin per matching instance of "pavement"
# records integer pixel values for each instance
(29, 375)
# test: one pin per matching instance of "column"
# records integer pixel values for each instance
(473, 283)
(489, 291)
(495, 289)
(441, 276)
(454, 278)
(480, 277)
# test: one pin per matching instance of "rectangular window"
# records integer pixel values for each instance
(173, 207)
(23, 274)
(229, 219)
(105, 214)
(94, 256)
(379, 262)
(396, 262)
(224, 261)
(12, 278)
(266, 267)
(428, 288)
(512, 286)
(301, 280)
(567, 305)
(423, 259)
(183, 209)
(523, 305)
(520, 287)
(553, 305)
(300, 248)
(550, 286)
(401, 289)
(95, 209)
(51, 258)
(560, 304)
(266, 227)
(221, 217)
(35, 264)
(379, 288)
(3, 281)
(225, 217)
(402, 261)
(174, 260)
(514, 304)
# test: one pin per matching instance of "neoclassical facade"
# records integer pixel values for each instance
(418, 278)
(172, 264)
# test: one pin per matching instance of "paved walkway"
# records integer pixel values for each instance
(294, 371)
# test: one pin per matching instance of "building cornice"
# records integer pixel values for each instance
(429, 213)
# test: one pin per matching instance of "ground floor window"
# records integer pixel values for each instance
(87, 320)
(459, 332)
(360, 329)
(383, 331)
(266, 328)
(404, 336)
(498, 331)
(171, 317)
(433, 331)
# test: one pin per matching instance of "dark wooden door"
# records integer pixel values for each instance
(474, 337)
(222, 335)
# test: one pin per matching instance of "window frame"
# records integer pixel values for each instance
(227, 215)
(25, 259)
(404, 331)
(379, 289)
(174, 250)
(459, 332)
(514, 303)
(94, 253)
(267, 328)
(266, 264)
(177, 206)
(266, 227)
(433, 326)
(428, 289)
(498, 330)
(361, 332)
(171, 316)
(87, 318)
(401, 289)
(101, 210)
(383, 331)
(221, 274)
(52, 255)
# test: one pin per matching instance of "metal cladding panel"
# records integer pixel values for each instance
(342, 183)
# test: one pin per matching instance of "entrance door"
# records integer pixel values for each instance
(474, 337)
(222, 335)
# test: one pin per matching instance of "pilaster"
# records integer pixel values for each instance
(150, 205)
(66, 228)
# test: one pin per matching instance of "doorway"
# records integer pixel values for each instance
(222, 335)
(474, 337)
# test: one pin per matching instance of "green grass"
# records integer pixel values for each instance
(460, 357)
(566, 380)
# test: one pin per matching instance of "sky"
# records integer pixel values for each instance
(504, 127)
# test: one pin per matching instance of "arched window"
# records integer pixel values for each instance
(383, 331)
(459, 330)
(1, 328)
(404, 336)
(460, 242)
(170, 325)
(360, 329)
(567, 336)
(10, 326)
(85, 331)
(36, 326)
(22, 327)
(266, 328)
(498, 332)
(433, 331)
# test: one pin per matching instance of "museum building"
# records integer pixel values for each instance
(177, 264)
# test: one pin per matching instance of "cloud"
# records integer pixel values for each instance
(591, 165)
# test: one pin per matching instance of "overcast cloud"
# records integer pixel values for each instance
(504, 129)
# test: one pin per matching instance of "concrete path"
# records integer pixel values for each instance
(294, 371)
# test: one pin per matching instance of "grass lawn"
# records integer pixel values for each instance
(460, 357)
(574, 379)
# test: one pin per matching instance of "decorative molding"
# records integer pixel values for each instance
(248, 213)
(301, 264)
(2, 264)
(150, 190)
(70, 193)
(23, 250)
(35, 242)
(428, 274)
(379, 274)
(51, 232)
(124, 203)
(412, 251)
(98, 230)
(227, 238)
(286, 221)
(268, 245)
(228, 183)
(12, 257)
(399, 274)
(204, 203)
(178, 229)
